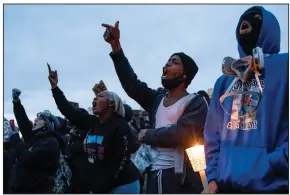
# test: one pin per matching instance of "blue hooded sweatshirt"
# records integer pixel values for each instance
(250, 154)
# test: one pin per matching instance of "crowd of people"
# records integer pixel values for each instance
(244, 127)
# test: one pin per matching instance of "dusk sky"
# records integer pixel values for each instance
(70, 38)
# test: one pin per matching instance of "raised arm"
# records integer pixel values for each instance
(79, 119)
(25, 126)
(187, 130)
(136, 89)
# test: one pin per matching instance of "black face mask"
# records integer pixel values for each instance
(248, 41)
(172, 83)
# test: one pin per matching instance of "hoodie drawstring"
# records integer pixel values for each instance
(159, 177)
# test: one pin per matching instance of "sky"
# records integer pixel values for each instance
(70, 39)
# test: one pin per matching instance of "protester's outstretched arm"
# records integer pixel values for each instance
(187, 130)
(136, 89)
(25, 126)
(79, 119)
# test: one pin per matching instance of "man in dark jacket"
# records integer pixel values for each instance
(177, 117)
(38, 157)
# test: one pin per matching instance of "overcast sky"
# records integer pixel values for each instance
(70, 38)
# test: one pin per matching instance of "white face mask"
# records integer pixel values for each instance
(38, 123)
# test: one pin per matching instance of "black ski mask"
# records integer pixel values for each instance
(249, 30)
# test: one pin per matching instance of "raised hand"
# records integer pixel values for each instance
(15, 94)
(52, 77)
(112, 36)
(99, 87)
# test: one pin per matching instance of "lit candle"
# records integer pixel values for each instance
(197, 159)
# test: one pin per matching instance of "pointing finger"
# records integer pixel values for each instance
(117, 25)
(107, 26)
(49, 69)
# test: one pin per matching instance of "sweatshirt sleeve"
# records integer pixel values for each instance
(136, 89)
(187, 130)
(24, 125)
(79, 119)
(212, 137)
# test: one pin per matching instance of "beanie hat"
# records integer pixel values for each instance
(189, 66)
(51, 122)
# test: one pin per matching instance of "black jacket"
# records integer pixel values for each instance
(36, 162)
(108, 147)
(37, 159)
(187, 130)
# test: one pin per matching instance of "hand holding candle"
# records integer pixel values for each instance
(197, 159)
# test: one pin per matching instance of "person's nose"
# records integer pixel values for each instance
(168, 64)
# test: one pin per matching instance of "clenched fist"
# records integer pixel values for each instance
(15, 94)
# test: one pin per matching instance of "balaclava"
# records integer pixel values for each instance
(190, 70)
(249, 30)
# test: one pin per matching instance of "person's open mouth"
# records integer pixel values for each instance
(165, 72)
(245, 27)
(94, 105)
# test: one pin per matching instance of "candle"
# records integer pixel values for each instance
(196, 156)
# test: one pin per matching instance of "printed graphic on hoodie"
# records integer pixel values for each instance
(243, 114)
(94, 148)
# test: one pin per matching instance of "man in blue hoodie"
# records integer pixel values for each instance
(247, 149)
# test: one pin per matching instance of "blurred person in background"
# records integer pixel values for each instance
(11, 139)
